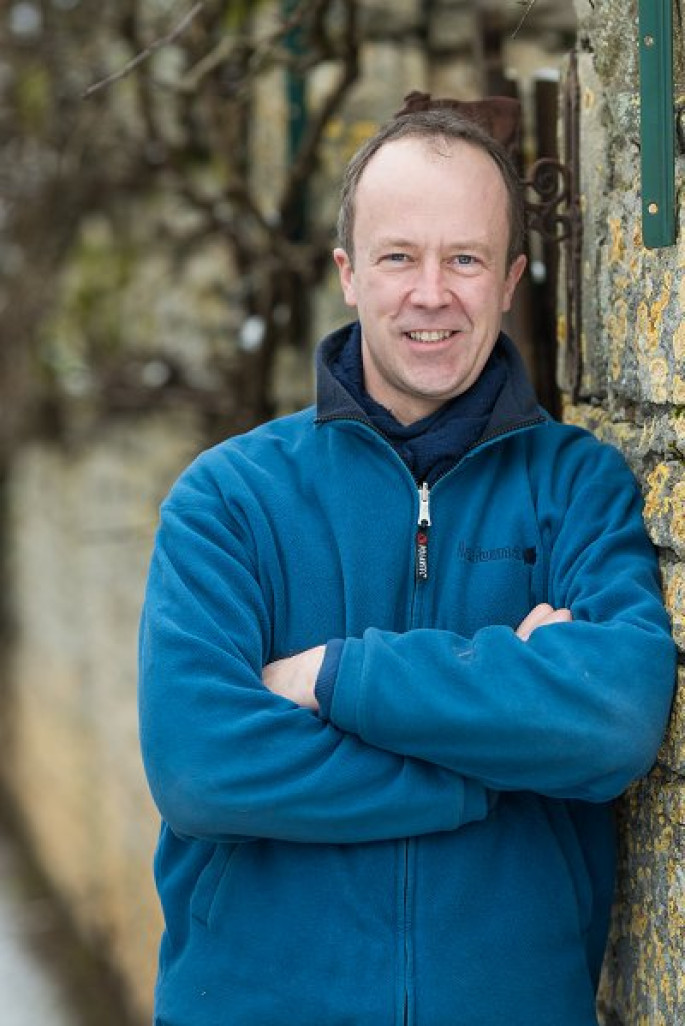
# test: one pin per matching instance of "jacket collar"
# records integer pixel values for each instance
(516, 406)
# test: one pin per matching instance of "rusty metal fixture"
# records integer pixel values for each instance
(555, 214)
(500, 116)
(574, 254)
(548, 215)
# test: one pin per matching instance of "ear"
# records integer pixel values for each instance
(513, 278)
(346, 273)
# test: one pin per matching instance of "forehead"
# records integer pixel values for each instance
(432, 184)
(454, 162)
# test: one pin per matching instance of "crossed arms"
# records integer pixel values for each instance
(295, 677)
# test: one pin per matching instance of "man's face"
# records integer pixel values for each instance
(430, 281)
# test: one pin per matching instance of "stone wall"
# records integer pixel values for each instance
(81, 522)
(633, 394)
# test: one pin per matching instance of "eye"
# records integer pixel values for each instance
(464, 260)
(395, 258)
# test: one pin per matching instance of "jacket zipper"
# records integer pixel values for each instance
(407, 1015)
(420, 575)
(424, 523)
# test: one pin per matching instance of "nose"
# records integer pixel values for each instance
(431, 289)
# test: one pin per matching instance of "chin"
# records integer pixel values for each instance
(441, 391)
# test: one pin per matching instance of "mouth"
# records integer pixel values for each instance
(430, 337)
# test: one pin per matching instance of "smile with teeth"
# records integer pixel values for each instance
(429, 336)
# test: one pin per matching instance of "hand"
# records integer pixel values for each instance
(541, 616)
(295, 677)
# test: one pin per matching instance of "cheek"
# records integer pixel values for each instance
(382, 296)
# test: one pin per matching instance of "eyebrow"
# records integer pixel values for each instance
(464, 246)
(383, 245)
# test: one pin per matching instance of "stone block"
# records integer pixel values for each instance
(672, 753)
(665, 506)
(674, 595)
(453, 28)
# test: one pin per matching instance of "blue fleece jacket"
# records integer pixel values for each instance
(439, 850)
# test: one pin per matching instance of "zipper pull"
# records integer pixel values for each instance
(422, 533)
(424, 506)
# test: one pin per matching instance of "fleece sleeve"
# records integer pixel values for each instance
(225, 757)
(579, 710)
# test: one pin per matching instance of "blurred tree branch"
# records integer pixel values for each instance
(528, 5)
(145, 54)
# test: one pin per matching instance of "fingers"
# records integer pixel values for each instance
(542, 616)
(294, 677)
(534, 619)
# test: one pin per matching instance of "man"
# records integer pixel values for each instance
(399, 653)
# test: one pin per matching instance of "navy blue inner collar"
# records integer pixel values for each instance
(430, 444)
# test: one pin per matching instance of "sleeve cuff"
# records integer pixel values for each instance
(325, 682)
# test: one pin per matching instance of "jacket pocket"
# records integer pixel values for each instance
(209, 881)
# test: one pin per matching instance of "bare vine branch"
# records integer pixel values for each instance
(145, 54)
(529, 4)
(262, 52)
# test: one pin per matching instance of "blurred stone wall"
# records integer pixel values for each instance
(82, 520)
(632, 394)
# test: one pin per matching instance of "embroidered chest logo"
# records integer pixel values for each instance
(516, 553)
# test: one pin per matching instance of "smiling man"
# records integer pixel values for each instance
(400, 651)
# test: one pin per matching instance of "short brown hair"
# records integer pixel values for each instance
(435, 125)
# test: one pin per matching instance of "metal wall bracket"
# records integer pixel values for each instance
(555, 213)
(657, 123)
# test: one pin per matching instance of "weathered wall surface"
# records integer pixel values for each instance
(633, 394)
(82, 522)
